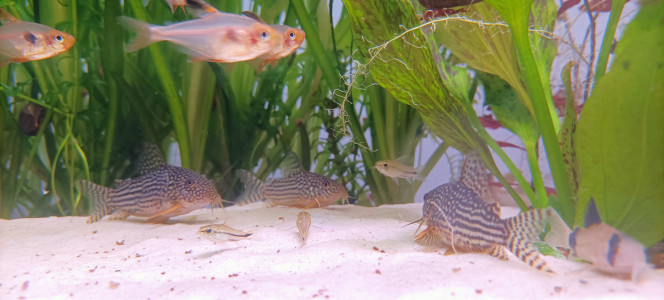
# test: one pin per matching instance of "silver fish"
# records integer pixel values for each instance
(395, 169)
(216, 37)
(456, 217)
(299, 188)
(220, 233)
(608, 249)
(27, 41)
(160, 192)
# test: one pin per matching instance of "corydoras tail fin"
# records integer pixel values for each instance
(253, 188)
(99, 196)
(143, 31)
(525, 228)
(592, 214)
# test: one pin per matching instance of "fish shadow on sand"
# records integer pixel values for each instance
(215, 252)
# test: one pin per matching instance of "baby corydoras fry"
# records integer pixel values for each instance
(222, 233)
(303, 224)
(395, 168)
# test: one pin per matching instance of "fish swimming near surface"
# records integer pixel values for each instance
(291, 39)
(216, 37)
(22, 41)
(456, 217)
(159, 192)
(608, 249)
(395, 169)
(220, 233)
(303, 223)
(299, 188)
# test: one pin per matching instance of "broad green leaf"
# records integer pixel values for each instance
(621, 133)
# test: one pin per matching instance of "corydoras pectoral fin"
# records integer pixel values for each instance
(592, 214)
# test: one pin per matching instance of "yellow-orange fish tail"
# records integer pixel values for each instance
(99, 197)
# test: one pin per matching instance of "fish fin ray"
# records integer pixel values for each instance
(252, 15)
(143, 30)
(150, 159)
(162, 217)
(99, 196)
(474, 174)
(428, 237)
(291, 164)
(6, 17)
(525, 228)
(253, 188)
(591, 216)
(498, 251)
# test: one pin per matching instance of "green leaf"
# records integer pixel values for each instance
(621, 133)
(400, 60)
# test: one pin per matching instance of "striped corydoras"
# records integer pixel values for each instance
(160, 192)
(608, 249)
(456, 217)
(299, 188)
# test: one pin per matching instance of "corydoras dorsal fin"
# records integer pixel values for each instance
(592, 214)
(150, 159)
(252, 15)
(291, 165)
(474, 175)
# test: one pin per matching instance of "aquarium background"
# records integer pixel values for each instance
(333, 105)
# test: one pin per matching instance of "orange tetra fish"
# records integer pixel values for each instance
(291, 39)
(299, 188)
(456, 217)
(27, 41)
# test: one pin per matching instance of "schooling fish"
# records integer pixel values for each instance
(299, 188)
(26, 41)
(160, 192)
(220, 233)
(608, 249)
(291, 39)
(458, 218)
(215, 37)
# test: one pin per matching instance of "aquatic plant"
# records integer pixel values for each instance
(509, 44)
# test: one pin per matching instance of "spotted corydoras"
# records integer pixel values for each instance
(299, 188)
(458, 218)
(608, 249)
(160, 192)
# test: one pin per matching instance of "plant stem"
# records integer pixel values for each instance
(607, 41)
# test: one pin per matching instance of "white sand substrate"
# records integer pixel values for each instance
(352, 253)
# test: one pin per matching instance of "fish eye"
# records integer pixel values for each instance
(58, 38)
(325, 184)
(191, 181)
(209, 230)
(291, 35)
(385, 165)
(264, 35)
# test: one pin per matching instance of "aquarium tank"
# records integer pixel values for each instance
(109, 105)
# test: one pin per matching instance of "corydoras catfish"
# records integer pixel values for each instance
(216, 37)
(159, 192)
(299, 188)
(458, 218)
(608, 249)
(22, 41)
